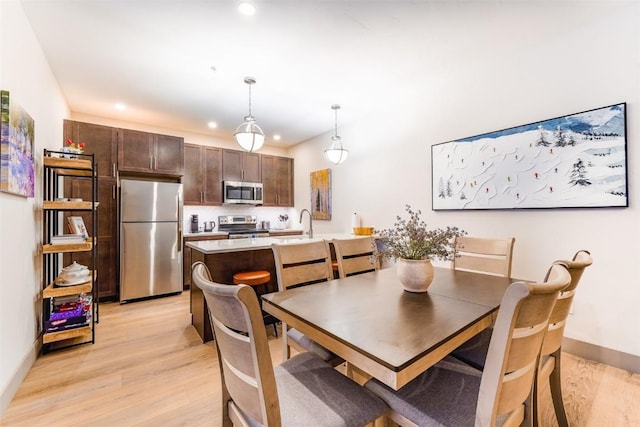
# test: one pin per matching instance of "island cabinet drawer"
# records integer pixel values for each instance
(186, 255)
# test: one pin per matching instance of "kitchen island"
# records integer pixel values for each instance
(224, 258)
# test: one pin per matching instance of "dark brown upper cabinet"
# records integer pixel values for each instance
(149, 153)
(277, 180)
(202, 180)
(241, 166)
(99, 140)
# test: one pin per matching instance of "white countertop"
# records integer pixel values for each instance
(238, 245)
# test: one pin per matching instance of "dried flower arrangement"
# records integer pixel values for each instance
(412, 239)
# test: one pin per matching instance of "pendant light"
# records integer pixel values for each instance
(248, 134)
(335, 152)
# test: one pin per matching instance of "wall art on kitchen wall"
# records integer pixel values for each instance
(321, 194)
(16, 148)
(574, 161)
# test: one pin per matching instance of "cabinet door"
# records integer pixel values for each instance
(269, 181)
(277, 180)
(169, 155)
(231, 165)
(251, 167)
(99, 140)
(212, 182)
(284, 178)
(241, 166)
(135, 151)
(192, 182)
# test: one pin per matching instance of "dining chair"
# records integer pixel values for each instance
(302, 391)
(483, 255)
(452, 393)
(486, 256)
(474, 351)
(549, 368)
(355, 256)
(302, 264)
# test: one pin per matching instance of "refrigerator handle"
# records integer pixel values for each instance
(180, 206)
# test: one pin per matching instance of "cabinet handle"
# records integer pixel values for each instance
(113, 170)
(155, 162)
(113, 192)
(150, 162)
(202, 197)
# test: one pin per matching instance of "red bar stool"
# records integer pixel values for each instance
(255, 279)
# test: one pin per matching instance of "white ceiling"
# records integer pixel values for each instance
(156, 56)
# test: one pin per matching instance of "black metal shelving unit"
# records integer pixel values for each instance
(56, 167)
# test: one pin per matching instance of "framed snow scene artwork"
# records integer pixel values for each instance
(574, 161)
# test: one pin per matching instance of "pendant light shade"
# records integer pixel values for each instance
(249, 135)
(335, 152)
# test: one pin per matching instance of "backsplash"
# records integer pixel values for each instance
(211, 213)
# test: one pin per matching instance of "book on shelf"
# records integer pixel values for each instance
(67, 239)
(76, 225)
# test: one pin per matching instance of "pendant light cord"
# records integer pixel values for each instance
(250, 100)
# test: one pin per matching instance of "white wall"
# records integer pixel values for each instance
(24, 72)
(582, 55)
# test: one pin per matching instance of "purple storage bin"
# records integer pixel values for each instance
(58, 315)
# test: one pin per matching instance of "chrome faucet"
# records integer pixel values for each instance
(310, 221)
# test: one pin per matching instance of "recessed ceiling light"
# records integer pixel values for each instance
(212, 125)
(276, 137)
(246, 8)
(120, 106)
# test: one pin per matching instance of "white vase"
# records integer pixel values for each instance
(415, 274)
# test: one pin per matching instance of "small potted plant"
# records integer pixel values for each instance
(413, 245)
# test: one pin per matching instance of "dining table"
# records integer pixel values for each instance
(385, 332)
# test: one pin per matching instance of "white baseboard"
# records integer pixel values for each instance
(14, 384)
(617, 359)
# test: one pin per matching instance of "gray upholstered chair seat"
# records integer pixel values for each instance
(474, 352)
(310, 345)
(312, 393)
(445, 395)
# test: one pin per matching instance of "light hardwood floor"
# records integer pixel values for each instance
(148, 367)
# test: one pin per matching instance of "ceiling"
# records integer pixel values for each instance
(156, 56)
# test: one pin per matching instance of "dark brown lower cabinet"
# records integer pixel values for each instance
(187, 256)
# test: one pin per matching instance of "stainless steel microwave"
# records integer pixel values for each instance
(247, 193)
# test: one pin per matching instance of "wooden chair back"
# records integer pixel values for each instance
(355, 256)
(248, 381)
(553, 339)
(483, 255)
(302, 263)
(514, 350)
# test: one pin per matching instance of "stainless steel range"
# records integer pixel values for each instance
(241, 226)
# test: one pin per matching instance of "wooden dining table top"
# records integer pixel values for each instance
(391, 334)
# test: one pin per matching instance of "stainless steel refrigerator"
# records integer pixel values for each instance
(150, 238)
